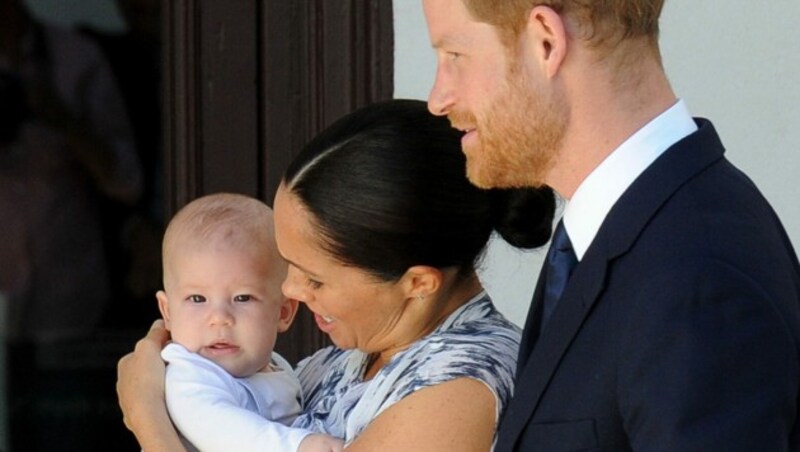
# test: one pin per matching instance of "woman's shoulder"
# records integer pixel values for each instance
(476, 343)
(479, 342)
(477, 324)
(470, 345)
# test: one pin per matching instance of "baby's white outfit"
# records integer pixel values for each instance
(205, 403)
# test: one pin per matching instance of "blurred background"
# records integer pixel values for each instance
(81, 203)
(113, 115)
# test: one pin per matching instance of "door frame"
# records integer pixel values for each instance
(248, 82)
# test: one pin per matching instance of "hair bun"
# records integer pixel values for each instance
(524, 216)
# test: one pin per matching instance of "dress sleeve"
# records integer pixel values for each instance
(312, 371)
(206, 405)
(483, 352)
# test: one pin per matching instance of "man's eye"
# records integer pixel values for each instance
(242, 298)
(197, 298)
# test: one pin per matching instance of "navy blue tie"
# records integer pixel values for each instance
(561, 261)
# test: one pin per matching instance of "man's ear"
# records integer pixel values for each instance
(546, 36)
(421, 282)
(163, 306)
(287, 312)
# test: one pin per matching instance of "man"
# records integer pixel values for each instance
(679, 327)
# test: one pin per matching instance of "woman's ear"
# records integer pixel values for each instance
(546, 35)
(421, 282)
(163, 306)
(287, 312)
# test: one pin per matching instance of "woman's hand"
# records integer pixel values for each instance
(140, 389)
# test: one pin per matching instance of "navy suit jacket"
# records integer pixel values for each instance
(679, 329)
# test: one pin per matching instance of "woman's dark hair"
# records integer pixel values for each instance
(386, 185)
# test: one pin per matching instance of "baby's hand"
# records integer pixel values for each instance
(317, 442)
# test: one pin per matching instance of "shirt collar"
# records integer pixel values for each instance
(597, 194)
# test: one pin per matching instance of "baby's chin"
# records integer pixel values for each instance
(239, 367)
(243, 370)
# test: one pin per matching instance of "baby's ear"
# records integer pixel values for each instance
(163, 306)
(287, 313)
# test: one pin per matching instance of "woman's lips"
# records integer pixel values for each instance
(324, 323)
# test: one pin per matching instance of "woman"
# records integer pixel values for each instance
(382, 232)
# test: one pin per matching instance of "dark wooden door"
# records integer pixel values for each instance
(248, 82)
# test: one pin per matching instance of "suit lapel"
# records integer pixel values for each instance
(552, 343)
(618, 233)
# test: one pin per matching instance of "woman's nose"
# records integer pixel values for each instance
(293, 287)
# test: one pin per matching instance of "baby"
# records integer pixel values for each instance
(223, 306)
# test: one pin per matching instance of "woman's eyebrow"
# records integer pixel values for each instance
(304, 270)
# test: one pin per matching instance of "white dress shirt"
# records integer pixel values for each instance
(597, 194)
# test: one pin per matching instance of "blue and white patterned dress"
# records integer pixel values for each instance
(475, 341)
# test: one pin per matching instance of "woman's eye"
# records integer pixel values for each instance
(314, 284)
(453, 55)
(197, 298)
(242, 298)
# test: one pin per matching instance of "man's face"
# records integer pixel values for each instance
(513, 121)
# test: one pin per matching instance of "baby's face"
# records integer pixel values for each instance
(223, 304)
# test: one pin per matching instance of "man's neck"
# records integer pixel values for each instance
(605, 112)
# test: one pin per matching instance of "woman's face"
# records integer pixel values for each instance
(354, 308)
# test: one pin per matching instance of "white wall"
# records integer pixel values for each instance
(732, 62)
